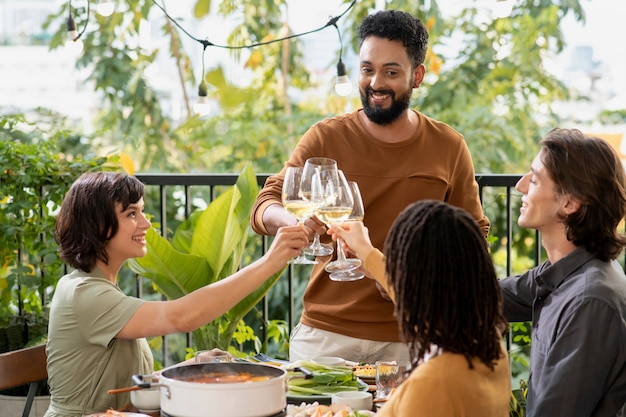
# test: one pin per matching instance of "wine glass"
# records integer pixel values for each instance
(344, 269)
(295, 201)
(319, 169)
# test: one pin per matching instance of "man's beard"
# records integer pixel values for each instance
(383, 116)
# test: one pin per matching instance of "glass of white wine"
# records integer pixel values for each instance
(336, 206)
(296, 203)
(319, 169)
(344, 269)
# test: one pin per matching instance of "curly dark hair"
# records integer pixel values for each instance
(88, 220)
(447, 292)
(590, 170)
(397, 25)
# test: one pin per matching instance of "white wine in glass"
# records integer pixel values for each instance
(331, 215)
(344, 269)
(319, 169)
(295, 202)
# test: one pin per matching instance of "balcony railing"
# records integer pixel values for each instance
(177, 195)
(497, 193)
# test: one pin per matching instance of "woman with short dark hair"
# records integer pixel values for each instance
(96, 337)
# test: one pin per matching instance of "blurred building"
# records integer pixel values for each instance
(31, 75)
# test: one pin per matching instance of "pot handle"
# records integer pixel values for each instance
(143, 381)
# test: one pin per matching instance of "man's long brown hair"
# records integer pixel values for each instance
(590, 170)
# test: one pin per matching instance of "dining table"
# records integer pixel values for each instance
(366, 382)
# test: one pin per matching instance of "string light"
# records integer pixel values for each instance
(343, 86)
(105, 7)
(201, 106)
(73, 43)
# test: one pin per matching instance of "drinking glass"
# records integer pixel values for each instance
(212, 356)
(296, 202)
(389, 376)
(336, 206)
(344, 269)
(319, 169)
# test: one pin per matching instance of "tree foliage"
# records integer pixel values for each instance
(485, 77)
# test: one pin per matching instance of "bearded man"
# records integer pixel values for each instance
(397, 155)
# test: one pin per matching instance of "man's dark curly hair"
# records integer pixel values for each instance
(397, 25)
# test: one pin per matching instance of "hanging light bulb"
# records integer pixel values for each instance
(201, 107)
(105, 7)
(343, 86)
(73, 42)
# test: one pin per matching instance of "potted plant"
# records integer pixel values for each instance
(205, 248)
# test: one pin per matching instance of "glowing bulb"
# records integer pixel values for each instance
(202, 106)
(73, 43)
(343, 86)
(105, 7)
(75, 47)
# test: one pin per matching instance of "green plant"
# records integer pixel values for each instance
(34, 176)
(518, 400)
(204, 249)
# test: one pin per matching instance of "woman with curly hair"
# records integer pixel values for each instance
(438, 271)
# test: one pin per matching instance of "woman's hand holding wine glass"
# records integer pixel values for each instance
(296, 202)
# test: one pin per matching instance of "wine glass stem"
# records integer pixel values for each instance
(316, 241)
(341, 256)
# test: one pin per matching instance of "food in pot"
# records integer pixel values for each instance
(223, 377)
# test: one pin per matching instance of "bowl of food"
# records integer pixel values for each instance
(146, 400)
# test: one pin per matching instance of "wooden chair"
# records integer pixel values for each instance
(21, 367)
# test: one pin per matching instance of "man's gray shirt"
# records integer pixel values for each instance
(578, 355)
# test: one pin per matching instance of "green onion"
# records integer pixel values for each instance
(326, 379)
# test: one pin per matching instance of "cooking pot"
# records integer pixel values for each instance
(182, 397)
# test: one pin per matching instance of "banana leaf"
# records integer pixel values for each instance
(205, 248)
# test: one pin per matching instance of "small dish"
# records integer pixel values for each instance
(329, 361)
(357, 400)
(146, 400)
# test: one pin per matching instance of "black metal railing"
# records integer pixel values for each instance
(497, 192)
